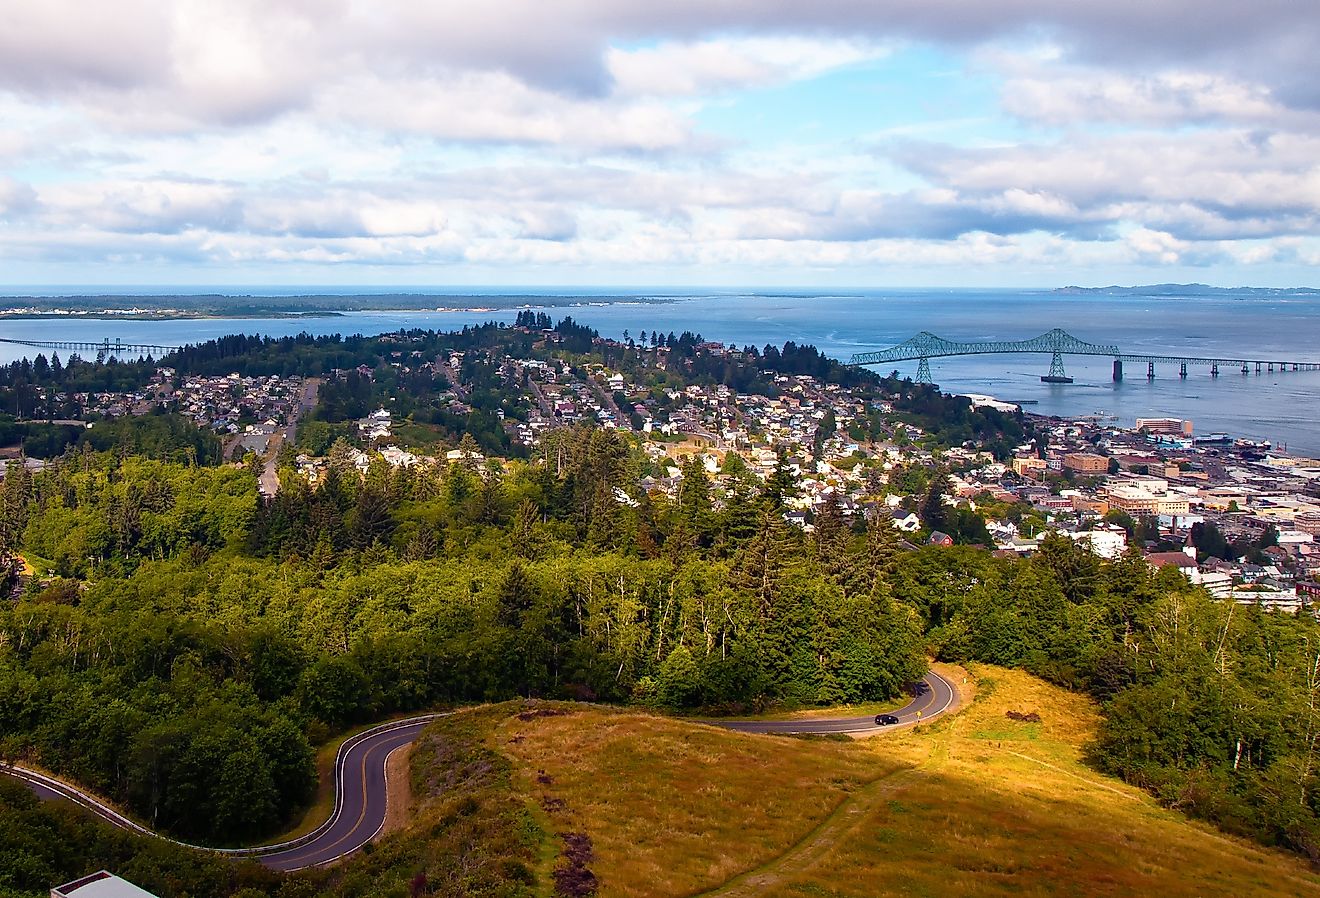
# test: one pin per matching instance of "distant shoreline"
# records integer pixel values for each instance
(212, 306)
(147, 315)
(1185, 291)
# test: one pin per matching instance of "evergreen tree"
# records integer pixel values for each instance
(782, 484)
(934, 513)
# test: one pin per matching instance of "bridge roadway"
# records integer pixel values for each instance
(361, 787)
(106, 346)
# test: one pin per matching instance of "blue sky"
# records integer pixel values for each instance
(767, 143)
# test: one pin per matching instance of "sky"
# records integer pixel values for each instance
(770, 143)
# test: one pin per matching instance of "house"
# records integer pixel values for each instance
(939, 538)
(101, 884)
(1309, 591)
(1028, 465)
(1183, 561)
(904, 520)
(1107, 542)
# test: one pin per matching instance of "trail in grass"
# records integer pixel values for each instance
(845, 819)
(820, 840)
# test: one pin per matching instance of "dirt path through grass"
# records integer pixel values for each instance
(847, 817)
(820, 840)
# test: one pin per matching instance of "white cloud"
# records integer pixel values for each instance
(1216, 184)
(302, 132)
(1068, 96)
(704, 67)
(16, 198)
(1158, 246)
(496, 107)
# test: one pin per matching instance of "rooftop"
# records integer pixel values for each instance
(101, 884)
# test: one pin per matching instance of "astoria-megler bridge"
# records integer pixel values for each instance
(108, 347)
(1058, 343)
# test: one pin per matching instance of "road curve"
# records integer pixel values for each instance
(361, 788)
(934, 695)
(357, 818)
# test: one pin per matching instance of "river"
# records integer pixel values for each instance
(1281, 407)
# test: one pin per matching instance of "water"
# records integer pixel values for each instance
(1281, 407)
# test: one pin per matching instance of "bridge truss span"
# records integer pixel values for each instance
(1057, 343)
(926, 345)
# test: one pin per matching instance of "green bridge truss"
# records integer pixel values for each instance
(1056, 343)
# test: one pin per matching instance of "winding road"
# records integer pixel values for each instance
(361, 789)
(357, 818)
(933, 696)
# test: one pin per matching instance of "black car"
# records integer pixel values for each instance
(884, 720)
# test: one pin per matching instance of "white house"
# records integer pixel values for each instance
(1107, 542)
(904, 520)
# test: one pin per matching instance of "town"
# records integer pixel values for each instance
(1236, 517)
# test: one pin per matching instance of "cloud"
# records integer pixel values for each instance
(1165, 99)
(699, 68)
(1202, 185)
(16, 198)
(485, 107)
(235, 63)
(341, 132)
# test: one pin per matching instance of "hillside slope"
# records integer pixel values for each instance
(978, 804)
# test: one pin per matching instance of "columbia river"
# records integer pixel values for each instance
(1281, 407)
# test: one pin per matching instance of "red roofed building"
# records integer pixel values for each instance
(1181, 560)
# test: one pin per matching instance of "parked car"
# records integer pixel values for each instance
(884, 720)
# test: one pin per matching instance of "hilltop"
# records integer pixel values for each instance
(647, 806)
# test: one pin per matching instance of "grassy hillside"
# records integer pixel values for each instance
(565, 799)
(673, 808)
(993, 806)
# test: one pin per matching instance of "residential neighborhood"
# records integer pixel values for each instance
(1235, 516)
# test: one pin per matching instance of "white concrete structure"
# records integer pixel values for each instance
(101, 884)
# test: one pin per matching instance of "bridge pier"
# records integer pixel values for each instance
(1118, 370)
(1270, 367)
(1214, 369)
(1244, 368)
(1182, 370)
(1150, 371)
(923, 371)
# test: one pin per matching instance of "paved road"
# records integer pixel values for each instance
(269, 481)
(360, 786)
(360, 794)
(358, 816)
(934, 695)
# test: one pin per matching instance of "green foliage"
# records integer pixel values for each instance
(161, 436)
(47, 844)
(202, 640)
(1213, 707)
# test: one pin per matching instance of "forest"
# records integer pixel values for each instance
(194, 645)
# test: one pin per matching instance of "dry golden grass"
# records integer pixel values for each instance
(1006, 808)
(975, 804)
(674, 808)
(863, 709)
